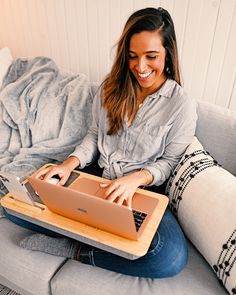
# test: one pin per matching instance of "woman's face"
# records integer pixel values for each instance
(147, 60)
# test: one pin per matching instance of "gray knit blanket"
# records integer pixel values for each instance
(44, 114)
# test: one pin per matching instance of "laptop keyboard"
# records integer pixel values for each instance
(138, 218)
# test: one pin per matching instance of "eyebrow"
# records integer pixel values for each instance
(149, 51)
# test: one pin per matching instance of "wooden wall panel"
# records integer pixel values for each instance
(189, 44)
(227, 74)
(204, 38)
(179, 15)
(80, 34)
(218, 50)
(232, 104)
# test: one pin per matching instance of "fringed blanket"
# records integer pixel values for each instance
(43, 115)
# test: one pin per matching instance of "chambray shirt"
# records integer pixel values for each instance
(156, 139)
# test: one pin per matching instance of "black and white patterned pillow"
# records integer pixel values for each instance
(203, 197)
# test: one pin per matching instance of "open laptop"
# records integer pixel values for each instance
(84, 201)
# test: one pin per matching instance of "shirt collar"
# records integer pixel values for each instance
(166, 90)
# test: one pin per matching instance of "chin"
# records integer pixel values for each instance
(147, 84)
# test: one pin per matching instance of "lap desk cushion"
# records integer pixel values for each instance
(203, 197)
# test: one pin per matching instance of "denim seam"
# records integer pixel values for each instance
(158, 246)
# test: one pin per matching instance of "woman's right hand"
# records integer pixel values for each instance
(63, 170)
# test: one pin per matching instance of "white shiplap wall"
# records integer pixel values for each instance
(79, 36)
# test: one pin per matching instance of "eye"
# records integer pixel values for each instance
(132, 56)
(152, 56)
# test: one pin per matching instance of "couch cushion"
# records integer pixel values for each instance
(203, 197)
(80, 279)
(31, 271)
(216, 130)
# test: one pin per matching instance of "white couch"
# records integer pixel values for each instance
(29, 272)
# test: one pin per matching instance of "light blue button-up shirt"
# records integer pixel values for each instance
(156, 139)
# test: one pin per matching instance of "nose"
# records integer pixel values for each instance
(141, 65)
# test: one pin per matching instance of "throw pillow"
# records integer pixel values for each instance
(203, 197)
(5, 62)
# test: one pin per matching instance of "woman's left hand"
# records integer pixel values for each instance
(121, 190)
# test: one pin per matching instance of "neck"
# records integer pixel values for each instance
(144, 92)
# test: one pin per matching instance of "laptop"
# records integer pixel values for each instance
(84, 201)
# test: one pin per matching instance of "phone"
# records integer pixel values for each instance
(16, 188)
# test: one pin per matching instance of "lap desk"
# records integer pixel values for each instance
(131, 249)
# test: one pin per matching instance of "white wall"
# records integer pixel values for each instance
(79, 35)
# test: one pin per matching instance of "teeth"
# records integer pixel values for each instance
(144, 75)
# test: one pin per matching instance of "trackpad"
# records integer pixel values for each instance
(86, 185)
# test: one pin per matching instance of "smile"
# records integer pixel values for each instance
(145, 75)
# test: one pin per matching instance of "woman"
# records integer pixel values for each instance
(142, 124)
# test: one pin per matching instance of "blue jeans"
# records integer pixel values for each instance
(167, 255)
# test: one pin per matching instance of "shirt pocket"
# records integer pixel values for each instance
(148, 143)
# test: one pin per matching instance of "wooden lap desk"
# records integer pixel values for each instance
(115, 244)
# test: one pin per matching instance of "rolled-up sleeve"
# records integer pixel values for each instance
(180, 135)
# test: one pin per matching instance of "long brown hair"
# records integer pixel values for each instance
(120, 86)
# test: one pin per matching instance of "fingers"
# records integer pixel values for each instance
(104, 185)
(47, 173)
(113, 190)
(118, 194)
(113, 193)
(41, 173)
(129, 202)
(122, 199)
(63, 179)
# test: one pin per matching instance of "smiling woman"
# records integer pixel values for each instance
(137, 146)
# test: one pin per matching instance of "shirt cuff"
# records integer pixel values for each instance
(158, 178)
(79, 155)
